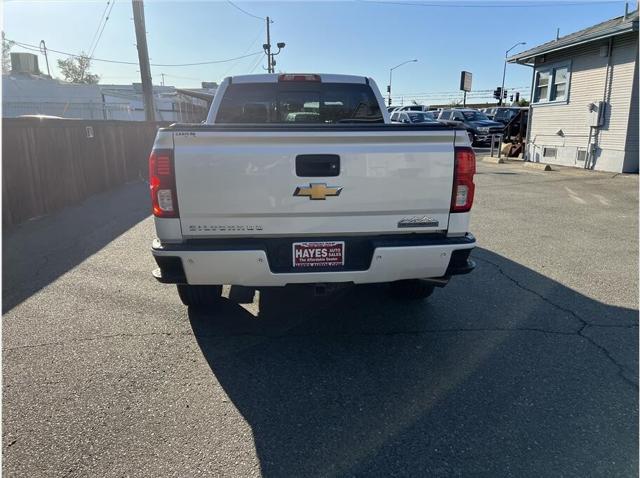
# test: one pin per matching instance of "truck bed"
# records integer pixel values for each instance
(293, 180)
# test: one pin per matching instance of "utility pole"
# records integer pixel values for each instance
(143, 58)
(162, 82)
(271, 62)
(43, 49)
(269, 65)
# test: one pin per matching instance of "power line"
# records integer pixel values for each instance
(101, 31)
(455, 94)
(182, 77)
(458, 91)
(244, 11)
(231, 67)
(106, 7)
(28, 46)
(491, 5)
(255, 65)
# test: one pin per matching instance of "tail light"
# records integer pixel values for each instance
(162, 180)
(463, 187)
(298, 77)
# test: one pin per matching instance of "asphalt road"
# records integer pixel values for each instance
(526, 367)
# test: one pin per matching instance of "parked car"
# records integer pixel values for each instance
(489, 112)
(413, 117)
(254, 198)
(479, 126)
(413, 108)
(505, 114)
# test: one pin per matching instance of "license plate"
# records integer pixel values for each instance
(318, 254)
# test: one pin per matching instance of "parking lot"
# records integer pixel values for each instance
(526, 367)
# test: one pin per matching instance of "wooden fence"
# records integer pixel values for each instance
(48, 164)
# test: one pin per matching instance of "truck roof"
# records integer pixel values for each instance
(273, 78)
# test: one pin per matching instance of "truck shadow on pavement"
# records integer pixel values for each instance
(503, 372)
(37, 252)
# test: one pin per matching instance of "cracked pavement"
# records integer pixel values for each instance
(526, 367)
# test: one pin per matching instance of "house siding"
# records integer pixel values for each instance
(588, 79)
(631, 148)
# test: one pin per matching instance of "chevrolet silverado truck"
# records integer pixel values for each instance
(302, 179)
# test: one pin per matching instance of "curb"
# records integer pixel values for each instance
(540, 166)
(493, 160)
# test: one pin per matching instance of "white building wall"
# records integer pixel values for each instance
(633, 128)
(26, 95)
(31, 95)
(587, 85)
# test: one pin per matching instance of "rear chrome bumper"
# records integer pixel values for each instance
(233, 264)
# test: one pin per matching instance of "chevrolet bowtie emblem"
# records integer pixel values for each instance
(317, 191)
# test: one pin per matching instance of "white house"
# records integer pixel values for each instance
(584, 101)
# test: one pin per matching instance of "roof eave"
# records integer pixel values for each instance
(529, 58)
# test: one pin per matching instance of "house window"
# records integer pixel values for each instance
(552, 84)
(542, 86)
(559, 90)
(549, 152)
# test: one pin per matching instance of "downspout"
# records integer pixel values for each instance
(525, 157)
(591, 147)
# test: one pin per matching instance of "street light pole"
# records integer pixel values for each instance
(390, 76)
(504, 71)
(271, 62)
(268, 49)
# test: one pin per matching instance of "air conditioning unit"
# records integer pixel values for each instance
(24, 63)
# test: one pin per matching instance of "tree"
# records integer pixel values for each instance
(6, 57)
(75, 69)
(523, 103)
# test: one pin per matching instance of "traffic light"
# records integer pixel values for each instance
(511, 98)
(517, 96)
(497, 93)
(504, 94)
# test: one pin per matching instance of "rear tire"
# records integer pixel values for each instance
(199, 295)
(411, 289)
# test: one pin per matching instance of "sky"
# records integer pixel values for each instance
(365, 37)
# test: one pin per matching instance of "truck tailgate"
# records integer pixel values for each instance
(313, 182)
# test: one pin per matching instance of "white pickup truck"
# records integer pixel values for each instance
(302, 179)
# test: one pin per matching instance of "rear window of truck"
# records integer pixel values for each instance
(299, 102)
